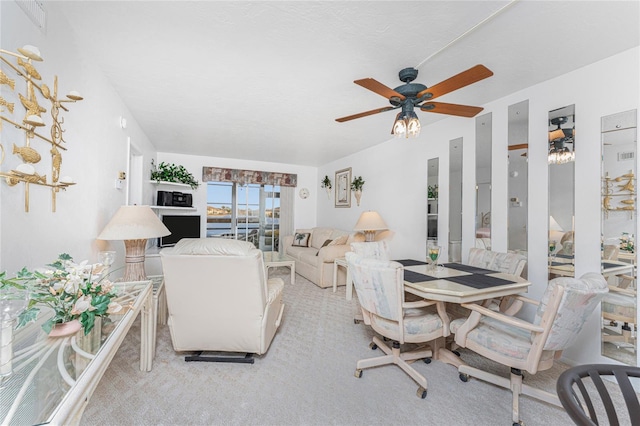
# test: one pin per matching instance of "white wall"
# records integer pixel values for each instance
(96, 152)
(396, 175)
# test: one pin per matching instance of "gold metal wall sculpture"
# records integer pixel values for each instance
(621, 186)
(21, 63)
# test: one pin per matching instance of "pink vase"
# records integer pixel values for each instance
(65, 329)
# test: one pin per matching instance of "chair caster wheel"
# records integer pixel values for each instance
(356, 321)
(518, 423)
(464, 377)
(358, 373)
(373, 346)
(456, 353)
(422, 392)
(427, 360)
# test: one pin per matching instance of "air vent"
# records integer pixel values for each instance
(626, 155)
(35, 11)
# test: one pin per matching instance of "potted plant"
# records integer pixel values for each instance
(356, 187)
(77, 293)
(326, 184)
(166, 172)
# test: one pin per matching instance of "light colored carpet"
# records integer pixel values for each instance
(306, 378)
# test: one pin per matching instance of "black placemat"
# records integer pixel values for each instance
(607, 265)
(479, 281)
(410, 262)
(468, 268)
(561, 264)
(563, 256)
(414, 277)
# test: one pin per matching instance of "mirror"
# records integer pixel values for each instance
(518, 180)
(561, 159)
(483, 181)
(455, 200)
(619, 140)
(432, 201)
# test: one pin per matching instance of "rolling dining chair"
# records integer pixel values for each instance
(530, 346)
(582, 407)
(380, 288)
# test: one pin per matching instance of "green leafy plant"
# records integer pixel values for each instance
(166, 172)
(326, 182)
(72, 290)
(432, 191)
(357, 184)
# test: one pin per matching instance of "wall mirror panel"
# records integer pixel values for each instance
(455, 200)
(483, 181)
(518, 180)
(561, 159)
(619, 227)
(432, 201)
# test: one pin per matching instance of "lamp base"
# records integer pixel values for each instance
(369, 236)
(134, 260)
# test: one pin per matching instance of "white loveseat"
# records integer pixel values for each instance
(315, 262)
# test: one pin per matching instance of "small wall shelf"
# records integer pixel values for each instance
(186, 209)
(161, 182)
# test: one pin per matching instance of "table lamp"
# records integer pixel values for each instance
(134, 225)
(370, 222)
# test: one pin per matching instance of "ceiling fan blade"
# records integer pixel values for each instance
(451, 109)
(364, 114)
(518, 146)
(465, 78)
(379, 88)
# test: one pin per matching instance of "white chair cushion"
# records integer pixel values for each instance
(215, 246)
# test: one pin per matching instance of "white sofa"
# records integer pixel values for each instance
(315, 262)
(219, 297)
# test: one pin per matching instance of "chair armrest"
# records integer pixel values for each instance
(526, 300)
(328, 254)
(418, 304)
(514, 321)
(286, 241)
(628, 292)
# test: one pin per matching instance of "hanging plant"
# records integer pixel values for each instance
(326, 182)
(166, 172)
(357, 184)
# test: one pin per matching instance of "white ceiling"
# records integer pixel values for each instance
(265, 80)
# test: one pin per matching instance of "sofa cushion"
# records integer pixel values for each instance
(309, 257)
(326, 243)
(301, 239)
(342, 240)
(297, 252)
(319, 236)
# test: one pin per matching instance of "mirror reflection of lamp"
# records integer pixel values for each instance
(555, 230)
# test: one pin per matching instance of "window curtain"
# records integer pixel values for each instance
(217, 174)
(287, 196)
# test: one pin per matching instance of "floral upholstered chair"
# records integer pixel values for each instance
(372, 250)
(520, 345)
(380, 288)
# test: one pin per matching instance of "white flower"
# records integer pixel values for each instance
(114, 307)
(82, 304)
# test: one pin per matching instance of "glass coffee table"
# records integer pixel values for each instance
(52, 378)
(274, 259)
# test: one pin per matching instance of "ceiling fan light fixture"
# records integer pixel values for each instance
(406, 125)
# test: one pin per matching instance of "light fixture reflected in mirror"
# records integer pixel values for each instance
(559, 138)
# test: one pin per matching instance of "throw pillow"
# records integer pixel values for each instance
(326, 243)
(301, 239)
(340, 241)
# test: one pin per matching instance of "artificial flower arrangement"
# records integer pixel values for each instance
(72, 290)
(626, 242)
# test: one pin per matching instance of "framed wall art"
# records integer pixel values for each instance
(343, 188)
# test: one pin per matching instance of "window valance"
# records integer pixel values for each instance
(216, 174)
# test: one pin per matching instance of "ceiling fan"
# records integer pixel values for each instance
(415, 95)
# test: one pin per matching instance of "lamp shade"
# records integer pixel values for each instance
(133, 223)
(370, 221)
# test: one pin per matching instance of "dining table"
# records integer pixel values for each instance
(457, 283)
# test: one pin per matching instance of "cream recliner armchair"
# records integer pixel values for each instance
(219, 298)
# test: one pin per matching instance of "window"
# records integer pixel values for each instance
(244, 212)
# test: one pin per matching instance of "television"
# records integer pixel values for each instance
(181, 226)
